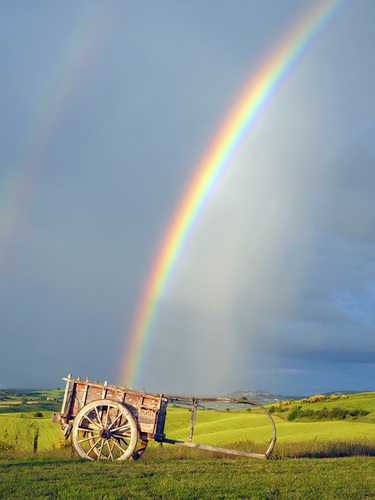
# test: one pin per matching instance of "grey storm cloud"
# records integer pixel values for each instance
(275, 288)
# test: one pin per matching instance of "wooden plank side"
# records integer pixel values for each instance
(94, 393)
(146, 415)
(133, 399)
(147, 420)
(114, 394)
(152, 402)
(74, 402)
(147, 428)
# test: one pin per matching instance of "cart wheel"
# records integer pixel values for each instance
(140, 447)
(105, 430)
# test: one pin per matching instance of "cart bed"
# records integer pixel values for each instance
(148, 410)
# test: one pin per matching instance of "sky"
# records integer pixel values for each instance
(107, 109)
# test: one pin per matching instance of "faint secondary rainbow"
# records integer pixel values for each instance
(257, 94)
(79, 49)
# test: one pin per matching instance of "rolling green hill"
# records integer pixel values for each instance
(28, 432)
(364, 403)
(218, 428)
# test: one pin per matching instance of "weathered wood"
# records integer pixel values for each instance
(149, 410)
(104, 393)
(84, 398)
(105, 430)
(217, 449)
(68, 380)
(192, 420)
(237, 401)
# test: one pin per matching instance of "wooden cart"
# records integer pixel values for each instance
(116, 423)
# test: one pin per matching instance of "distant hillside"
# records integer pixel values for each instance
(21, 400)
(261, 397)
(341, 393)
(266, 398)
(25, 400)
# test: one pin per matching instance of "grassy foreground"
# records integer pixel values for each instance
(187, 478)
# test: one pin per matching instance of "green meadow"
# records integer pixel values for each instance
(46, 477)
(28, 432)
(316, 455)
(34, 430)
(30, 401)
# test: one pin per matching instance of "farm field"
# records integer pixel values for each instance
(27, 432)
(37, 467)
(30, 431)
(239, 430)
(30, 401)
(219, 428)
(187, 478)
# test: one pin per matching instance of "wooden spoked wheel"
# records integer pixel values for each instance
(105, 430)
(140, 447)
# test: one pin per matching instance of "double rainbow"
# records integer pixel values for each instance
(253, 100)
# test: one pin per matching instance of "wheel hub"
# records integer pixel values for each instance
(104, 434)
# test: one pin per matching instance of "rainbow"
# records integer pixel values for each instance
(80, 48)
(253, 100)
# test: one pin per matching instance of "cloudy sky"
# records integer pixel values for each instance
(107, 108)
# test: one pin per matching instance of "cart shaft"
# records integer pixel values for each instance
(216, 449)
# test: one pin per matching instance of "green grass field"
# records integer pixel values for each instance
(221, 428)
(37, 468)
(217, 428)
(363, 401)
(23, 429)
(30, 401)
(45, 477)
